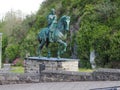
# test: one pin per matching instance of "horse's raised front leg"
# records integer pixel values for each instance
(60, 51)
(40, 47)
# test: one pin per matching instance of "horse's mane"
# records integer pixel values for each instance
(61, 20)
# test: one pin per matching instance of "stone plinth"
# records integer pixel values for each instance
(32, 64)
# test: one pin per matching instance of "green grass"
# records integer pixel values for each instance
(85, 70)
(17, 69)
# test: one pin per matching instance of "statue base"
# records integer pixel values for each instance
(32, 64)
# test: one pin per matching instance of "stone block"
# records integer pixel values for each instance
(32, 64)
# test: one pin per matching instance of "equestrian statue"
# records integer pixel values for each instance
(55, 32)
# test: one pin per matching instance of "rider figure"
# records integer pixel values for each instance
(52, 22)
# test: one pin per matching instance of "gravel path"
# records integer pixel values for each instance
(62, 86)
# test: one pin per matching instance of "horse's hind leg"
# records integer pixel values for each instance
(40, 47)
(59, 52)
(48, 49)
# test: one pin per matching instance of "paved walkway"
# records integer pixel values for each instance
(62, 85)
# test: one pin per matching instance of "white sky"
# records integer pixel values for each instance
(26, 6)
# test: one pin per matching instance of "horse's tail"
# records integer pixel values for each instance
(43, 34)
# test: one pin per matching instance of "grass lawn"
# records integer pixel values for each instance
(85, 70)
(17, 69)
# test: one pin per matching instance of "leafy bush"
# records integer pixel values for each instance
(12, 51)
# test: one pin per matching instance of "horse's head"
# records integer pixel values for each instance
(65, 21)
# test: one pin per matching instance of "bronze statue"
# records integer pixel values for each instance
(55, 32)
(52, 23)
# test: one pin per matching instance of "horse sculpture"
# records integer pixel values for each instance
(58, 36)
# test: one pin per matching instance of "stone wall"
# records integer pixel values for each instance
(97, 75)
(12, 78)
(60, 76)
(106, 75)
(65, 76)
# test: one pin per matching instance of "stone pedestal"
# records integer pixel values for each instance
(32, 64)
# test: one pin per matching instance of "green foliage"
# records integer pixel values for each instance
(4, 45)
(98, 30)
(12, 52)
(30, 43)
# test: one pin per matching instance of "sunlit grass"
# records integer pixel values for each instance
(85, 70)
(17, 69)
